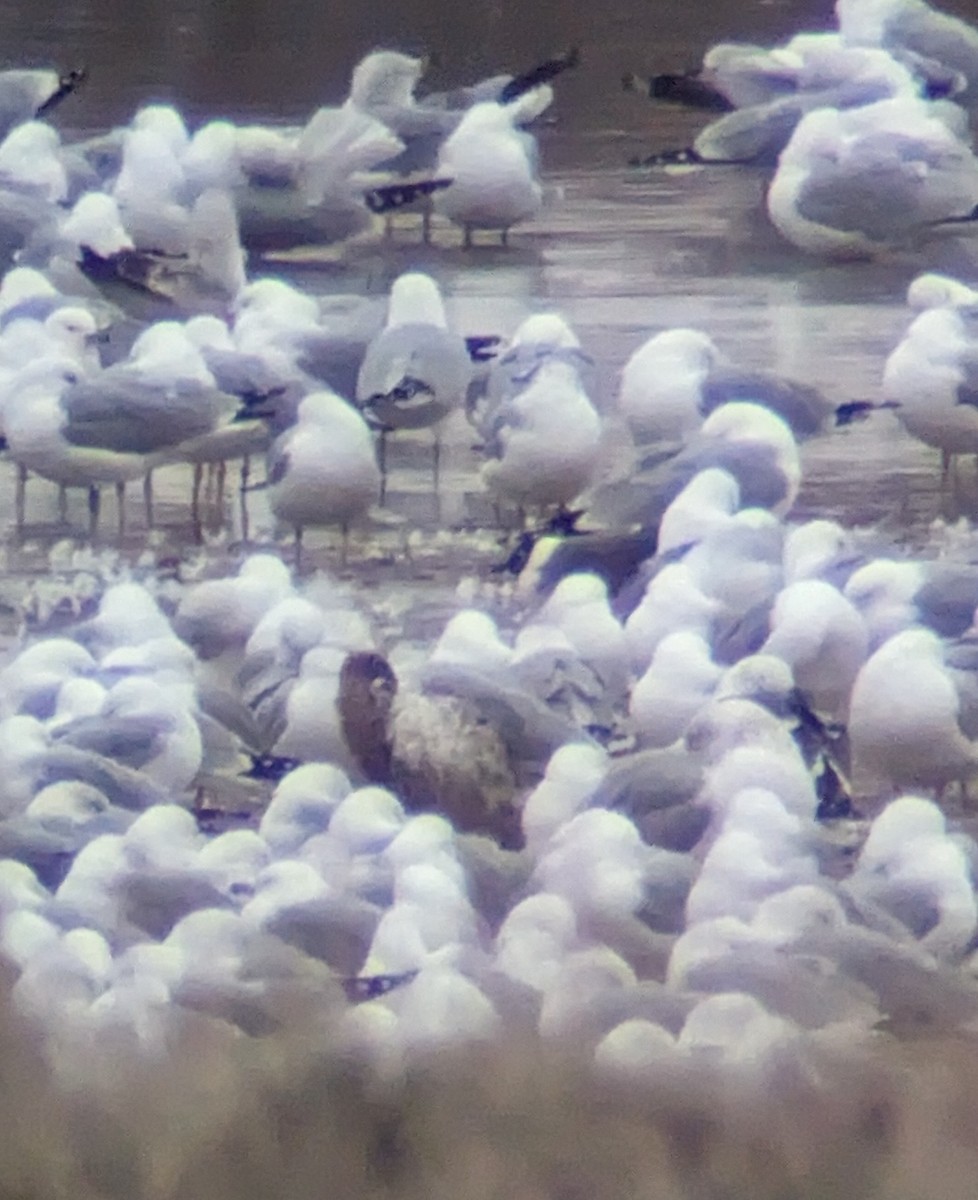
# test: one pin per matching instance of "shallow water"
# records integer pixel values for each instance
(621, 252)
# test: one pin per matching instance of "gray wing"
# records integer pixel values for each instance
(277, 218)
(119, 784)
(335, 361)
(883, 194)
(967, 391)
(637, 784)
(121, 413)
(937, 36)
(793, 986)
(416, 121)
(336, 931)
(426, 365)
(155, 901)
(757, 134)
(131, 741)
(241, 374)
(948, 599)
(644, 497)
(528, 728)
(802, 406)
(230, 714)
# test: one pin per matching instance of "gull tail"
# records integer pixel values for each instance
(67, 84)
(393, 196)
(519, 85)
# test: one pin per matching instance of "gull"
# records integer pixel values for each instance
(323, 471)
(764, 92)
(492, 165)
(909, 725)
(893, 594)
(540, 338)
(679, 376)
(547, 441)
(676, 684)
(416, 370)
(853, 183)
(749, 441)
(29, 93)
(823, 639)
(931, 380)
(145, 726)
(117, 425)
(302, 806)
(912, 868)
(912, 28)
(218, 615)
(309, 188)
(702, 509)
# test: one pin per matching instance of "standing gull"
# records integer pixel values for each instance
(416, 370)
(492, 165)
(323, 470)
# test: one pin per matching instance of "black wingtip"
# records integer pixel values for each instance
(391, 197)
(834, 800)
(483, 347)
(272, 767)
(687, 156)
(540, 74)
(361, 988)
(68, 83)
(855, 410)
(689, 90)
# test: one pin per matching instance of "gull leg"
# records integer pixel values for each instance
(245, 475)
(467, 238)
(298, 549)
(148, 498)
(345, 542)
(222, 479)
(504, 237)
(62, 504)
(436, 473)
(120, 503)
(94, 504)
(436, 463)
(195, 501)
(426, 222)
(382, 463)
(20, 504)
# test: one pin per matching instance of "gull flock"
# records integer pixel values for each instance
(683, 781)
